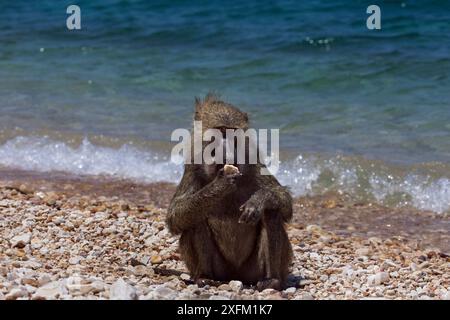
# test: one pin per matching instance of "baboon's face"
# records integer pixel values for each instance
(216, 114)
(230, 146)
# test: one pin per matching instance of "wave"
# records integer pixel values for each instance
(45, 155)
(305, 174)
(367, 181)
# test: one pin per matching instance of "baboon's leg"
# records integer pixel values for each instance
(201, 255)
(268, 267)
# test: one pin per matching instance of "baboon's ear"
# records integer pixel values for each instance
(198, 107)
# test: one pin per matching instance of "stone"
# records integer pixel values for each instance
(362, 251)
(58, 220)
(312, 228)
(43, 279)
(3, 271)
(97, 286)
(16, 293)
(140, 270)
(218, 297)
(20, 241)
(155, 259)
(446, 296)
(290, 290)
(25, 189)
(50, 291)
(275, 296)
(307, 296)
(185, 276)
(268, 291)
(161, 292)
(120, 290)
(75, 260)
(378, 279)
(304, 282)
(314, 255)
(4, 203)
(236, 285)
(348, 294)
(224, 287)
(50, 199)
(76, 286)
(30, 281)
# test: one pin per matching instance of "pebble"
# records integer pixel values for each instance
(30, 281)
(446, 296)
(50, 291)
(362, 251)
(16, 293)
(25, 189)
(307, 296)
(185, 276)
(378, 279)
(75, 260)
(20, 241)
(225, 287)
(120, 290)
(218, 297)
(161, 292)
(314, 255)
(290, 290)
(312, 228)
(236, 285)
(43, 279)
(97, 286)
(155, 259)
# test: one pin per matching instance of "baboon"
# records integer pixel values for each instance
(231, 226)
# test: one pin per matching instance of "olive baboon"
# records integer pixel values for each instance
(231, 226)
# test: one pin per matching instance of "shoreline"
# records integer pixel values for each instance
(334, 212)
(71, 237)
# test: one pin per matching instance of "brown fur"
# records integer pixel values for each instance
(231, 227)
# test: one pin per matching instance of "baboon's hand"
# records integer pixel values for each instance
(228, 178)
(224, 184)
(252, 211)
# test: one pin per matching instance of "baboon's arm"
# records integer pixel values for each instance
(273, 196)
(192, 202)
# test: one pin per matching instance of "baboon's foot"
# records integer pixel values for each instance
(201, 282)
(293, 281)
(268, 284)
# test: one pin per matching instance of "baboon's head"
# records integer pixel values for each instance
(216, 114)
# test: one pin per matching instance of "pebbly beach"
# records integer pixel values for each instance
(66, 237)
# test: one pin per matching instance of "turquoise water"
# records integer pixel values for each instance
(335, 89)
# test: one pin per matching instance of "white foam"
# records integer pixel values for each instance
(45, 155)
(418, 191)
(311, 175)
